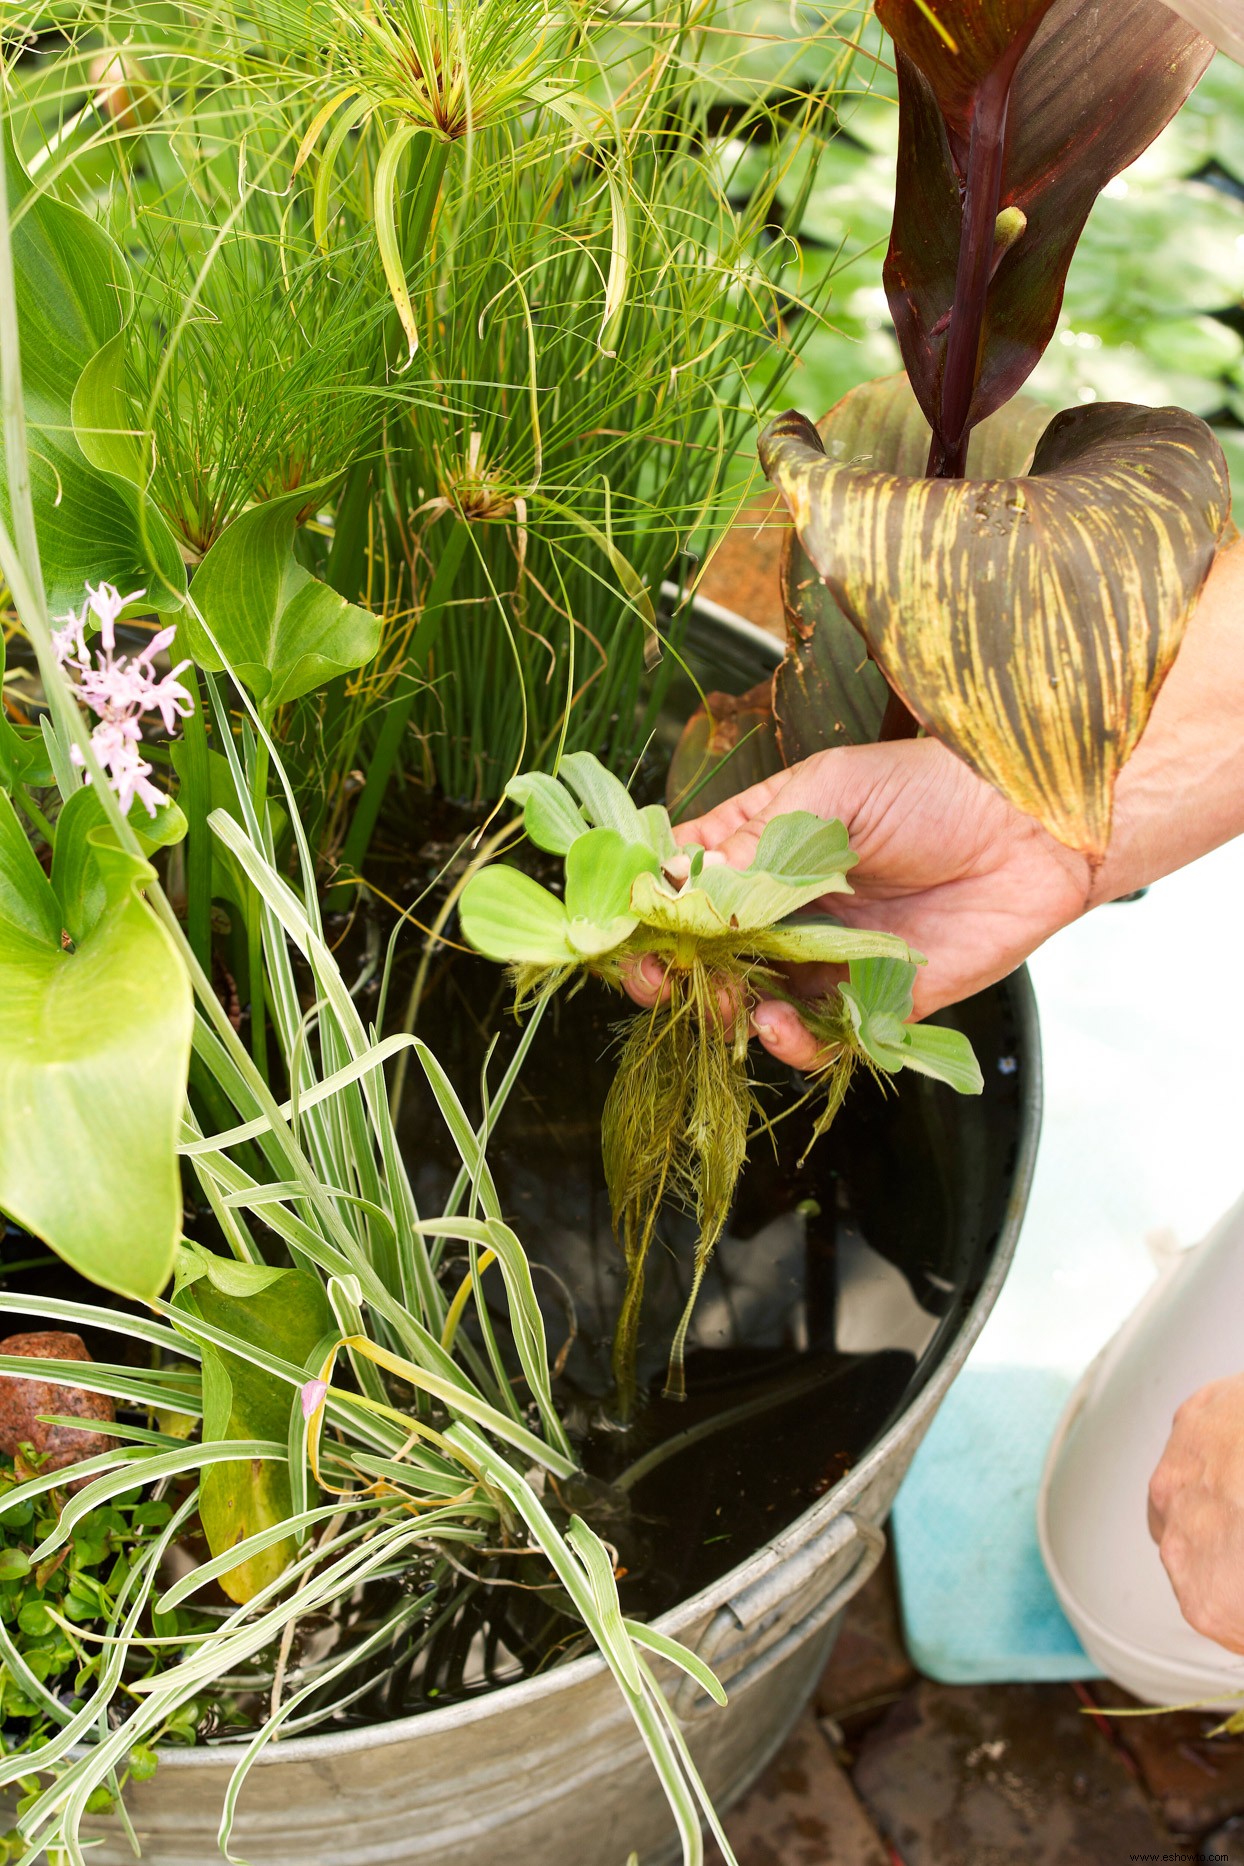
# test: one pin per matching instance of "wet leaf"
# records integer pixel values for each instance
(1093, 84)
(1027, 622)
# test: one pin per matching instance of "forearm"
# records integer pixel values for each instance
(1181, 793)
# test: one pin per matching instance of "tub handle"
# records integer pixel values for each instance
(689, 1701)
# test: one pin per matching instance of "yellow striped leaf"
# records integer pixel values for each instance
(1027, 622)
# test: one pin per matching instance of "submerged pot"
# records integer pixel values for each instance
(550, 1771)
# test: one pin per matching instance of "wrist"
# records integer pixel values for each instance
(1181, 793)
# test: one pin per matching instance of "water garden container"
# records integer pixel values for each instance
(550, 1771)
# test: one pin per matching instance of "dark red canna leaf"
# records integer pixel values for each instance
(998, 168)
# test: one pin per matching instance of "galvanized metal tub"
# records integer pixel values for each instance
(550, 1771)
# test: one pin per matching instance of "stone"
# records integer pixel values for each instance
(1198, 1778)
(868, 1667)
(22, 1400)
(1004, 1775)
(802, 1812)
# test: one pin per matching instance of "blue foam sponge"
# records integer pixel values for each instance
(977, 1604)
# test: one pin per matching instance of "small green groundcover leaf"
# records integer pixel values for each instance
(679, 1112)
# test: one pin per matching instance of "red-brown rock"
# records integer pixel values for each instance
(22, 1400)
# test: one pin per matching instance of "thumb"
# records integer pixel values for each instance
(829, 784)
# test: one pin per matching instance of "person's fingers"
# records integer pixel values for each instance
(837, 783)
(645, 980)
(712, 829)
(784, 1035)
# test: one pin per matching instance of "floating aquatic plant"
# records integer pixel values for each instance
(678, 1115)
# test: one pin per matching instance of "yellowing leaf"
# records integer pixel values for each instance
(1027, 622)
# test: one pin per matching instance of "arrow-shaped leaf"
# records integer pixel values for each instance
(94, 1049)
(1028, 623)
(282, 632)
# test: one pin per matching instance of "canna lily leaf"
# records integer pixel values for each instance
(94, 1050)
(282, 632)
(1028, 623)
(1219, 20)
(1005, 141)
(728, 744)
(827, 691)
(73, 298)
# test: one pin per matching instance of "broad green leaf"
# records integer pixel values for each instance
(606, 802)
(80, 828)
(551, 817)
(1028, 623)
(282, 632)
(1075, 91)
(509, 917)
(827, 690)
(600, 871)
(799, 846)
(73, 297)
(287, 1313)
(878, 999)
(94, 1050)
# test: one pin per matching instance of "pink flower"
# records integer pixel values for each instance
(120, 689)
(313, 1394)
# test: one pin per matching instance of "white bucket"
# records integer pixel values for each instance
(1092, 1513)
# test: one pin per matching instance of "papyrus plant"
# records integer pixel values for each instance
(1025, 610)
(681, 1105)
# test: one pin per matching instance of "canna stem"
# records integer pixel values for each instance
(982, 195)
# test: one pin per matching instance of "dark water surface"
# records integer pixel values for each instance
(837, 1288)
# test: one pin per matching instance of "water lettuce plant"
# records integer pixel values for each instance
(681, 1105)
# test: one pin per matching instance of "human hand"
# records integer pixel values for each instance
(945, 862)
(1196, 1511)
